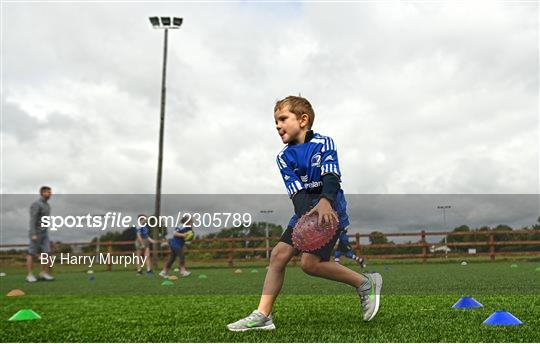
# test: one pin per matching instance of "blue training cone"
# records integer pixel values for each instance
(502, 318)
(467, 302)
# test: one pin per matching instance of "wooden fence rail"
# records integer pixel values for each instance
(229, 249)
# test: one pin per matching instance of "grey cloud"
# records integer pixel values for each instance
(18, 123)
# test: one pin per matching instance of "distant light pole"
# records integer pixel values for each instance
(444, 207)
(266, 232)
(164, 23)
(98, 247)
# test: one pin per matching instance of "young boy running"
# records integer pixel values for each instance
(309, 167)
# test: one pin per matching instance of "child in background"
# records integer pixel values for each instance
(177, 244)
(142, 243)
(344, 247)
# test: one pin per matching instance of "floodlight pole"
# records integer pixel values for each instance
(157, 209)
(444, 207)
(165, 23)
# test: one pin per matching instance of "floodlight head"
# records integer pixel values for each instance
(177, 21)
(166, 21)
(154, 21)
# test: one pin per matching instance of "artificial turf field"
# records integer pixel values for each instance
(416, 305)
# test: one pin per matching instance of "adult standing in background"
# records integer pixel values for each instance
(39, 236)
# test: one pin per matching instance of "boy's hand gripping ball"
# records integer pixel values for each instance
(308, 236)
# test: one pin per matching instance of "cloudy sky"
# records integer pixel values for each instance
(426, 98)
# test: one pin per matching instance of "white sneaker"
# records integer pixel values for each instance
(370, 299)
(46, 276)
(254, 321)
(31, 278)
(185, 273)
(164, 274)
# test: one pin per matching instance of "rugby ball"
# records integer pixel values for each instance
(189, 235)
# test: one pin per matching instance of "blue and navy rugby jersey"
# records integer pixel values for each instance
(144, 231)
(302, 167)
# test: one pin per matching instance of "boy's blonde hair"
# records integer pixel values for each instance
(298, 106)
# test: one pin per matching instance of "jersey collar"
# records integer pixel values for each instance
(309, 136)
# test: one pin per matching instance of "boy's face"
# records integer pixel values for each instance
(289, 127)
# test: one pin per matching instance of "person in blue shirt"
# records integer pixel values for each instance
(344, 248)
(310, 170)
(176, 245)
(142, 243)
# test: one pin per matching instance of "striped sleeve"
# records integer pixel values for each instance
(329, 158)
(291, 180)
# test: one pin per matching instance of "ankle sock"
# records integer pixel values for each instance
(365, 286)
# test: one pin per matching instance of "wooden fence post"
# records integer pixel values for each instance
(491, 247)
(424, 246)
(109, 250)
(231, 252)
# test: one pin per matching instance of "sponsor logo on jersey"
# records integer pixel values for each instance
(316, 160)
(312, 185)
(304, 179)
